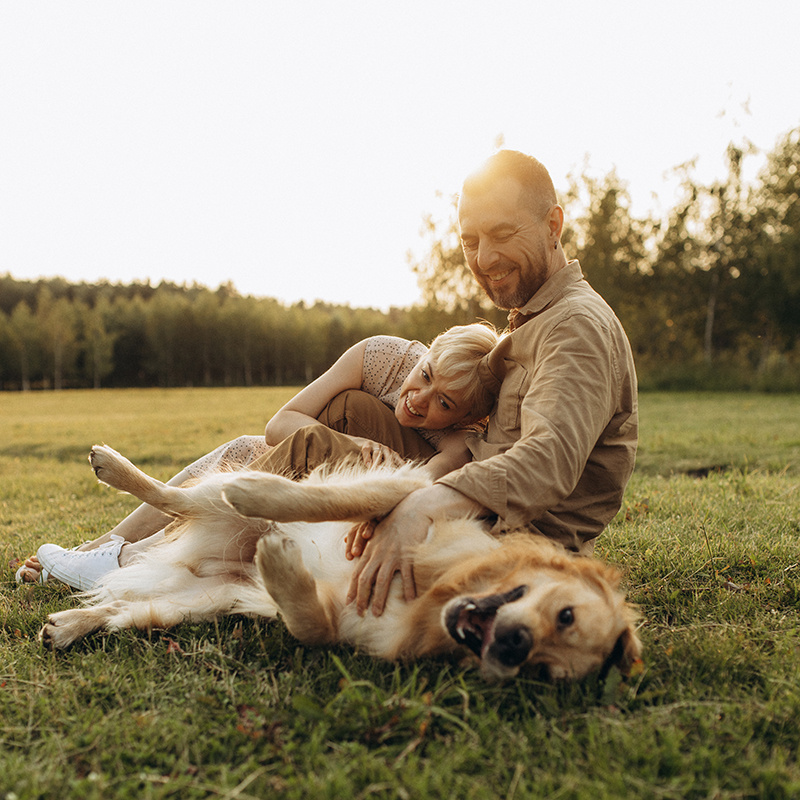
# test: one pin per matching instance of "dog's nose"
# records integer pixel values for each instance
(512, 645)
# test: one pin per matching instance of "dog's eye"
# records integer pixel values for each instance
(566, 617)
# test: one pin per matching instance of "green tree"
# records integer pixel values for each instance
(99, 339)
(705, 248)
(239, 332)
(670, 320)
(25, 337)
(7, 351)
(776, 217)
(59, 328)
(128, 323)
(165, 325)
(205, 336)
(610, 243)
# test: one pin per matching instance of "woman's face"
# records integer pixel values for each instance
(426, 401)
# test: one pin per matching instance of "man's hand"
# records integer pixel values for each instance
(389, 552)
(393, 541)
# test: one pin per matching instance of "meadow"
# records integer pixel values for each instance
(708, 539)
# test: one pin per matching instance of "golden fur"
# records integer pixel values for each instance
(259, 544)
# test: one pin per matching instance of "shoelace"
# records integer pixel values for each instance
(115, 539)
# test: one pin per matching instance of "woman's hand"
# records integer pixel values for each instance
(374, 454)
(357, 538)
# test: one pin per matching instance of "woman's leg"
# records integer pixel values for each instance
(138, 527)
(145, 520)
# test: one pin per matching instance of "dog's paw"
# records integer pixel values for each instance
(105, 461)
(56, 633)
(277, 548)
(113, 469)
(64, 628)
(47, 636)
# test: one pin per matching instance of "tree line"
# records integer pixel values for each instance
(709, 295)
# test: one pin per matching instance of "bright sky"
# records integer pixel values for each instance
(294, 147)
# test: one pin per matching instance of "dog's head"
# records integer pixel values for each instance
(567, 615)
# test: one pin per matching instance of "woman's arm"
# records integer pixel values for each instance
(304, 408)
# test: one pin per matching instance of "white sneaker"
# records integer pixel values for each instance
(43, 573)
(81, 569)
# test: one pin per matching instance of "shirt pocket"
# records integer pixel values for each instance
(509, 401)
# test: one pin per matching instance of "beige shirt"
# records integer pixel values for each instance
(561, 441)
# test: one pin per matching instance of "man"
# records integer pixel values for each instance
(561, 440)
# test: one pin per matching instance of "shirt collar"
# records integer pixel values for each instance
(553, 287)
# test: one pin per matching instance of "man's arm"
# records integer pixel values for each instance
(572, 392)
(390, 549)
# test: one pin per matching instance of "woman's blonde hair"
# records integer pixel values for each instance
(456, 354)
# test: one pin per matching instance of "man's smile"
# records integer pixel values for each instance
(498, 277)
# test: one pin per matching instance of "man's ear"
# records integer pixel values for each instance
(555, 221)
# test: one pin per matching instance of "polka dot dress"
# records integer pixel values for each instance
(232, 455)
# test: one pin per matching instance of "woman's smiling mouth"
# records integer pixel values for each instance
(410, 408)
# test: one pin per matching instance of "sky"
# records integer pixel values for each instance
(294, 148)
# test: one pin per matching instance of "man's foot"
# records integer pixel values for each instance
(81, 569)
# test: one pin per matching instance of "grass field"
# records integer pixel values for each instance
(709, 537)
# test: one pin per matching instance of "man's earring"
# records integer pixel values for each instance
(555, 246)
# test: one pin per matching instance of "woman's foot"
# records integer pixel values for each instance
(81, 569)
(32, 572)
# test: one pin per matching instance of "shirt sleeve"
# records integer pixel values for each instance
(562, 414)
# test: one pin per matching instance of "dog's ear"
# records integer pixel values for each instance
(626, 655)
(631, 651)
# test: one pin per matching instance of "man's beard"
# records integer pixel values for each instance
(529, 281)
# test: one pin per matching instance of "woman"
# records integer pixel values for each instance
(434, 393)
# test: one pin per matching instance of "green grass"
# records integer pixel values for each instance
(239, 710)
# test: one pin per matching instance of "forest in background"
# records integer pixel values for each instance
(709, 296)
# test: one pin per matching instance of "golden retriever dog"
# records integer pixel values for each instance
(258, 544)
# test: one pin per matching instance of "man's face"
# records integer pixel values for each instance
(508, 247)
